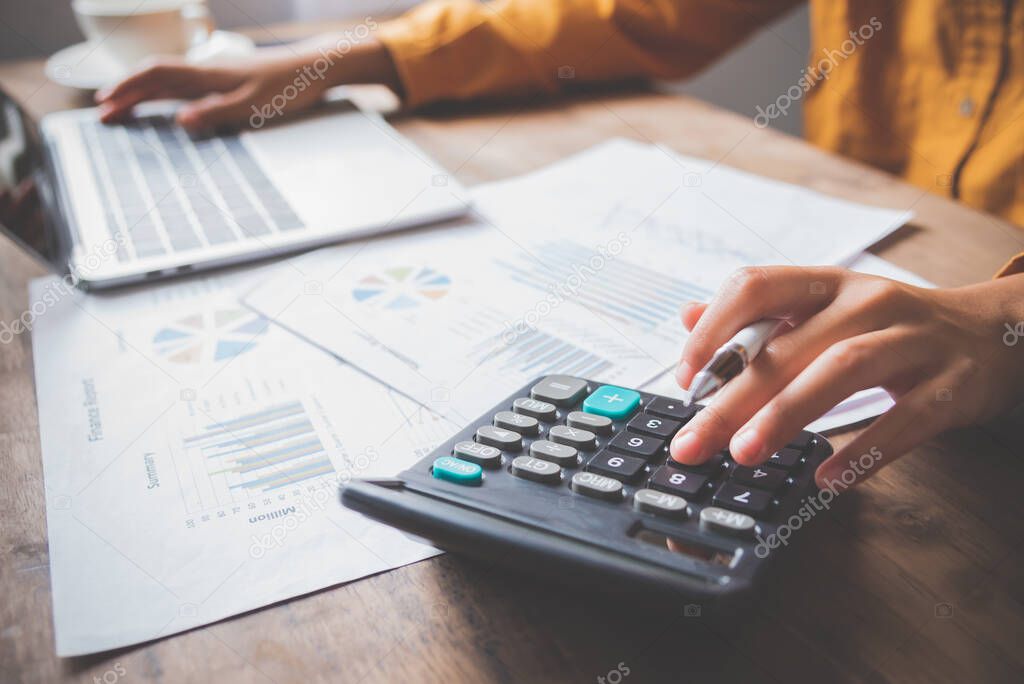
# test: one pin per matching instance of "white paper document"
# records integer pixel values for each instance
(192, 453)
(579, 268)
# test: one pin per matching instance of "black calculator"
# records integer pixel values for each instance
(571, 479)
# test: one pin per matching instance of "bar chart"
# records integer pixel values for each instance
(262, 451)
(608, 285)
(536, 352)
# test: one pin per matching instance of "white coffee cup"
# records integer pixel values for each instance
(131, 30)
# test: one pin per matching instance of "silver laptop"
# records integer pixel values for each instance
(121, 204)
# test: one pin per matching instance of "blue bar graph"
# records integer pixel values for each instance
(617, 288)
(264, 450)
(538, 353)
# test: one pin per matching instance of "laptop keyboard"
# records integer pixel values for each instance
(165, 192)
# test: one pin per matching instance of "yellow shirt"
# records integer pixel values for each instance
(929, 90)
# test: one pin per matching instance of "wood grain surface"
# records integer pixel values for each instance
(917, 576)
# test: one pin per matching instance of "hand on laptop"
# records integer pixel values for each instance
(280, 80)
(944, 354)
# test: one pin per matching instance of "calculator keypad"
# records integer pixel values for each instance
(611, 446)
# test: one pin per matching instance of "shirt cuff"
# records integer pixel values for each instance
(421, 41)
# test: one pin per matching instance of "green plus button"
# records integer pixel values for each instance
(458, 471)
(611, 401)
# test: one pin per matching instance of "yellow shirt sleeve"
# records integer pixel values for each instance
(462, 49)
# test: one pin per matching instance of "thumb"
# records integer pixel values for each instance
(216, 109)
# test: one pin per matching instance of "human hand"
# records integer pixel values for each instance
(275, 81)
(939, 352)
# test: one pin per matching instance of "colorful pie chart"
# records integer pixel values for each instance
(209, 336)
(403, 287)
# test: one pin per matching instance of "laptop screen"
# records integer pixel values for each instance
(21, 173)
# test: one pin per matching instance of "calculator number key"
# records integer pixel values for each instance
(535, 408)
(637, 445)
(655, 426)
(747, 500)
(577, 438)
(481, 454)
(678, 482)
(556, 453)
(535, 469)
(589, 421)
(499, 438)
(597, 486)
(560, 390)
(761, 477)
(524, 425)
(618, 466)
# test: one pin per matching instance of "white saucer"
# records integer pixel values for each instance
(85, 67)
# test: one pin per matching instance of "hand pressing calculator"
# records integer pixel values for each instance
(572, 479)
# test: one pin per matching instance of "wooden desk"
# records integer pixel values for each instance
(916, 577)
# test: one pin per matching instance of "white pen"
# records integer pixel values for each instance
(731, 358)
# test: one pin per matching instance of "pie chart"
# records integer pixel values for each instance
(402, 287)
(210, 336)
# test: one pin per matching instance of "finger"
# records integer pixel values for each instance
(691, 313)
(917, 417)
(155, 75)
(750, 295)
(115, 110)
(216, 109)
(163, 80)
(856, 363)
(782, 359)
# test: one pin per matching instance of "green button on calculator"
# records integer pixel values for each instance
(611, 401)
(458, 471)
